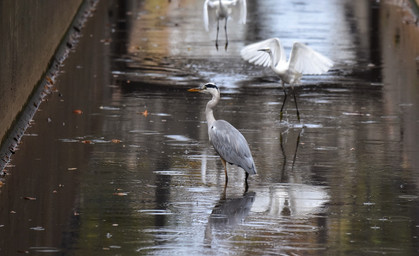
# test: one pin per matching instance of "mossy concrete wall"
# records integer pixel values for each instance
(30, 32)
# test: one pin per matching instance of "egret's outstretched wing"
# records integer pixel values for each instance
(237, 10)
(231, 145)
(209, 13)
(307, 61)
(243, 11)
(206, 15)
(252, 54)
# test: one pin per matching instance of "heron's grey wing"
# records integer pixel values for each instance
(209, 13)
(252, 54)
(307, 61)
(231, 145)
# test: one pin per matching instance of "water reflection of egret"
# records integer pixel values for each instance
(216, 10)
(291, 200)
(227, 141)
(302, 60)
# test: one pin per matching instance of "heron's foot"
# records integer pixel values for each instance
(226, 46)
(281, 114)
(216, 46)
(298, 116)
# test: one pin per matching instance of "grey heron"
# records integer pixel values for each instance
(302, 60)
(216, 10)
(227, 141)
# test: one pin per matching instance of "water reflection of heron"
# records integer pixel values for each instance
(216, 10)
(303, 60)
(227, 141)
(228, 213)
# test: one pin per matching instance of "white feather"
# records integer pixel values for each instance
(303, 59)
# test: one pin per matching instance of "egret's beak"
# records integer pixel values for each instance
(195, 90)
(264, 50)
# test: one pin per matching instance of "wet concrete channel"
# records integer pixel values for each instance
(117, 159)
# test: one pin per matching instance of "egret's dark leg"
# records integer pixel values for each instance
(225, 29)
(246, 185)
(216, 39)
(295, 100)
(283, 103)
(225, 168)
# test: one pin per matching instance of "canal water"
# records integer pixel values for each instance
(117, 161)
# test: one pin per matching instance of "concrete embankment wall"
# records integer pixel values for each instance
(30, 32)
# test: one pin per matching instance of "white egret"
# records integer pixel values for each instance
(216, 10)
(303, 60)
(227, 141)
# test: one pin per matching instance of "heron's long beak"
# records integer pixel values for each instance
(263, 50)
(195, 90)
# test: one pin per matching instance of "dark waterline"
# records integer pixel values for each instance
(135, 174)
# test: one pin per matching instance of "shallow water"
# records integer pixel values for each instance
(134, 174)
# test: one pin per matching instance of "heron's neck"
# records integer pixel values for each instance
(208, 110)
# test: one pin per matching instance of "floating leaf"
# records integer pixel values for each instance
(120, 194)
(145, 113)
(77, 111)
(115, 141)
(87, 142)
(29, 198)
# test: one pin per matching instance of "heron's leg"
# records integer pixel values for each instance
(216, 39)
(225, 30)
(225, 168)
(283, 103)
(246, 185)
(295, 100)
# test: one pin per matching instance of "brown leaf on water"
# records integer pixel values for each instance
(145, 113)
(120, 194)
(87, 142)
(77, 111)
(29, 198)
(72, 169)
(115, 141)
